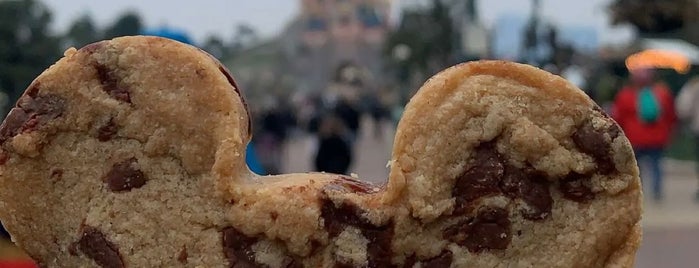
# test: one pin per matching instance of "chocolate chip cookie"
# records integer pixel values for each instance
(130, 153)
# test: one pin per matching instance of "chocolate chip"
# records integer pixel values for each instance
(315, 246)
(4, 156)
(110, 83)
(573, 188)
(343, 265)
(601, 111)
(30, 113)
(594, 142)
(106, 132)
(482, 178)
(237, 247)
(490, 229)
(442, 260)
(350, 185)
(289, 262)
(336, 218)
(124, 176)
(182, 256)
(73, 249)
(532, 187)
(56, 174)
(95, 246)
(410, 261)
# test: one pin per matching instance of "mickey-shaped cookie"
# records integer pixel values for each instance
(130, 153)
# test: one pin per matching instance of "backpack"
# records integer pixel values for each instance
(648, 106)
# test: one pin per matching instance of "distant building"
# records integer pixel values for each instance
(472, 37)
(328, 33)
(508, 37)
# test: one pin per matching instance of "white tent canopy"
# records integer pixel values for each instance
(675, 45)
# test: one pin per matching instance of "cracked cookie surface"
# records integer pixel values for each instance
(130, 153)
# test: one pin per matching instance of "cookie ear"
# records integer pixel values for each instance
(131, 124)
(512, 136)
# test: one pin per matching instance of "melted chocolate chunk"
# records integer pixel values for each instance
(379, 251)
(350, 185)
(182, 256)
(343, 265)
(237, 247)
(594, 142)
(336, 218)
(530, 186)
(410, 261)
(93, 47)
(31, 112)
(490, 229)
(111, 85)
(574, 188)
(124, 176)
(231, 81)
(482, 178)
(106, 132)
(95, 246)
(315, 246)
(13, 123)
(442, 260)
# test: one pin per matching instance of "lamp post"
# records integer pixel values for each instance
(401, 53)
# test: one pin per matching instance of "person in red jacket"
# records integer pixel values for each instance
(645, 110)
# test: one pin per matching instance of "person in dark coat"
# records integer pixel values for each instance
(350, 116)
(334, 153)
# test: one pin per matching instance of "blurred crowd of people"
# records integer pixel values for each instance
(643, 104)
(333, 117)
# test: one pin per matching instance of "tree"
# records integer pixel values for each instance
(82, 32)
(128, 23)
(215, 46)
(245, 35)
(26, 46)
(422, 44)
(428, 36)
(653, 16)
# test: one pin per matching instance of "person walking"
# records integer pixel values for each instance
(334, 154)
(687, 105)
(644, 109)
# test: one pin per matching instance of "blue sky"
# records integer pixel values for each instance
(203, 17)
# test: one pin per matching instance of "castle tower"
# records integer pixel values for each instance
(332, 33)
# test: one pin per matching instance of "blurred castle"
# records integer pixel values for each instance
(329, 33)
